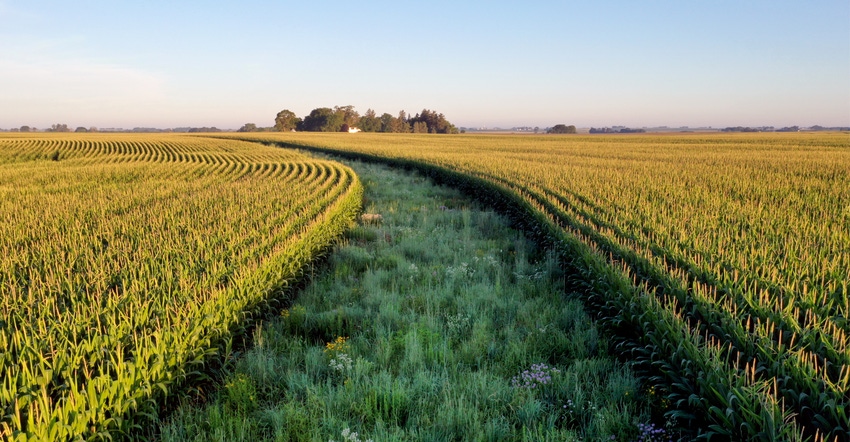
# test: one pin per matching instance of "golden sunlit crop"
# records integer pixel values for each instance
(127, 260)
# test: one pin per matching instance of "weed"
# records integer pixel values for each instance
(537, 376)
(350, 436)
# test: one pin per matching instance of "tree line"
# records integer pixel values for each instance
(345, 118)
(66, 128)
(623, 130)
(560, 129)
(54, 128)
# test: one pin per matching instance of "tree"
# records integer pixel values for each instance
(561, 129)
(81, 129)
(59, 128)
(248, 127)
(370, 122)
(92, 129)
(436, 123)
(339, 118)
(387, 122)
(286, 121)
(400, 123)
(420, 127)
(25, 129)
(349, 116)
(323, 119)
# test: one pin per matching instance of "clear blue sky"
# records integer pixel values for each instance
(216, 63)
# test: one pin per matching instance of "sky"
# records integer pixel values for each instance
(112, 63)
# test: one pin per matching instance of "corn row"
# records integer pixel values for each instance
(128, 261)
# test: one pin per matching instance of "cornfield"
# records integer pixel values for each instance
(721, 261)
(127, 261)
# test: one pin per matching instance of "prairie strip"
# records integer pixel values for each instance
(434, 321)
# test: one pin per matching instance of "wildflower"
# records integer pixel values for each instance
(457, 323)
(540, 374)
(350, 436)
(339, 345)
(651, 433)
(341, 363)
(462, 270)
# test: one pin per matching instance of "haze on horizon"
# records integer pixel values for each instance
(180, 63)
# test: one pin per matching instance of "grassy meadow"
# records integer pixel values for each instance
(439, 322)
(128, 261)
(719, 260)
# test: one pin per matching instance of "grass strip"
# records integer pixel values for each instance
(436, 321)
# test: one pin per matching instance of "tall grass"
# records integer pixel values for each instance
(438, 323)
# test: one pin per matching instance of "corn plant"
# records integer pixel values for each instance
(128, 261)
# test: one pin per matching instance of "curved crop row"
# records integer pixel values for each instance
(722, 260)
(127, 261)
(131, 148)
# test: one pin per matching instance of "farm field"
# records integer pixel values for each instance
(720, 261)
(127, 261)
